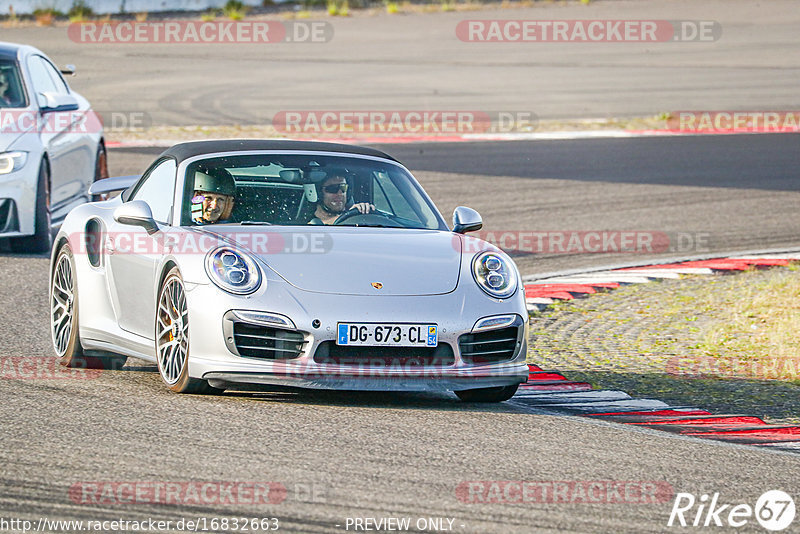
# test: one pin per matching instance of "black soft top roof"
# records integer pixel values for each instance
(184, 151)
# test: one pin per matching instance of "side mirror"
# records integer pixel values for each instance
(57, 102)
(112, 185)
(68, 70)
(466, 220)
(136, 213)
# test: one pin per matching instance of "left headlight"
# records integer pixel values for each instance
(233, 271)
(494, 274)
(12, 161)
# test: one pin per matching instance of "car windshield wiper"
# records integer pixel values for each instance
(256, 223)
(370, 225)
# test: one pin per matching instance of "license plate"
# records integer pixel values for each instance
(387, 334)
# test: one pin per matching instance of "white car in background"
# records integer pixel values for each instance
(51, 148)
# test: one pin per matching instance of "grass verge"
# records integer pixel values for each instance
(726, 343)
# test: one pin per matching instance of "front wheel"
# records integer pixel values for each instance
(497, 394)
(172, 338)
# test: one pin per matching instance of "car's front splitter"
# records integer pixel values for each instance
(364, 379)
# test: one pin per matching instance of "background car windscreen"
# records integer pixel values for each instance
(12, 94)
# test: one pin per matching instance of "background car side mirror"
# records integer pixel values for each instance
(57, 102)
(136, 213)
(466, 220)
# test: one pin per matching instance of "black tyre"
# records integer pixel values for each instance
(41, 240)
(64, 319)
(172, 338)
(498, 394)
(100, 169)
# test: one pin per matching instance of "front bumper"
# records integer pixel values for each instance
(214, 357)
(18, 201)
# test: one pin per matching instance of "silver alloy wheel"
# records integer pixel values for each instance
(172, 339)
(62, 305)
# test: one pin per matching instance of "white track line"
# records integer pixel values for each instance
(631, 405)
(768, 257)
(540, 300)
(596, 278)
(603, 396)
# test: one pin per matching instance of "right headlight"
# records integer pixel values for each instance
(12, 161)
(233, 271)
(494, 274)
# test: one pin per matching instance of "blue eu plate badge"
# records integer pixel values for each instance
(342, 334)
(432, 336)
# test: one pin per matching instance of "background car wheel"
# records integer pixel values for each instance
(172, 338)
(498, 394)
(40, 241)
(64, 319)
(100, 169)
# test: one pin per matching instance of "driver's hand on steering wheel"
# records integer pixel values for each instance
(363, 207)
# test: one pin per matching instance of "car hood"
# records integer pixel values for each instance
(353, 261)
(7, 139)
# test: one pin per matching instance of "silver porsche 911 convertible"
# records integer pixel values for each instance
(286, 263)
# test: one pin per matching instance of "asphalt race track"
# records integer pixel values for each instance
(346, 455)
(332, 457)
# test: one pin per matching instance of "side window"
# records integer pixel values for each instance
(58, 81)
(158, 190)
(40, 78)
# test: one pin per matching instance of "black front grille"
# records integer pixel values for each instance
(331, 353)
(256, 341)
(489, 347)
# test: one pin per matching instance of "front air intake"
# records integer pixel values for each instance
(267, 343)
(490, 346)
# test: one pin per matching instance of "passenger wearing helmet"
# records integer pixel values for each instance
(332, 199)
(213, 198)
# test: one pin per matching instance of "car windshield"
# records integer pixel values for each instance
(301, 189)
(12, 95)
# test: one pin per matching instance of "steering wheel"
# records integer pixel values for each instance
(373, 218)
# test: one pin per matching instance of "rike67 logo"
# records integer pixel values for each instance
(774, 511)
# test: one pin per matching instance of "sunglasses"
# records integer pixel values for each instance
(335, 188)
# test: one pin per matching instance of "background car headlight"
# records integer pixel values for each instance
(233, 271)
(12, 161)
(494, 274)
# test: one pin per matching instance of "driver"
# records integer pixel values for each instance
(332, 200)
(213, 197)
